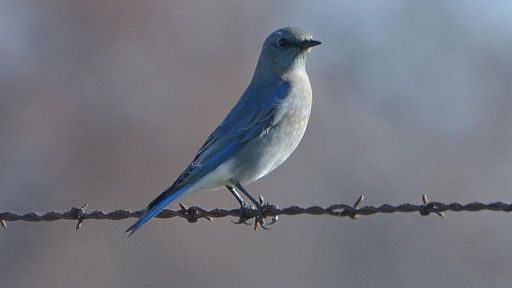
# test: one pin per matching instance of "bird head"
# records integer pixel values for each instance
(284, 50)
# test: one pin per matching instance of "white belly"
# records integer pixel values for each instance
(265, 153)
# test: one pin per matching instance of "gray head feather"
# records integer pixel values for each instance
(284, 51)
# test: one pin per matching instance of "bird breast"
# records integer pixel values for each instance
(265, 153)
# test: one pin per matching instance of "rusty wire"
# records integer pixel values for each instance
(193, 214)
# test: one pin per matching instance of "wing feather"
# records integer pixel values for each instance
(248, 119)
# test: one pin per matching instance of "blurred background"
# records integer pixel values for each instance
(104, 102)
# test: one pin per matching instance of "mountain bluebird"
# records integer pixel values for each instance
(260, 132)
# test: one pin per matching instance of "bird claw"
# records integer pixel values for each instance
(271, 207)
(243, 214)
(260, 217)
(261, 208)
(260, 222)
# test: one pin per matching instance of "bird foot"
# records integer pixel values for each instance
(259, 220)
(243, 214)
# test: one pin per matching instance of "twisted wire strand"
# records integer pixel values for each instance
(193, 214)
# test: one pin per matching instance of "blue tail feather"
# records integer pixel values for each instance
(156, 206)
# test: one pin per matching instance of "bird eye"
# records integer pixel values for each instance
(283, 43)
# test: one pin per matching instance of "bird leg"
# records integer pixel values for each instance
(260, 206)
(243, 206)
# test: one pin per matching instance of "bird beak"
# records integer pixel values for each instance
(309, 43)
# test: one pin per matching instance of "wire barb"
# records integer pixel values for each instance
(354, 215)
(80, 216)
(191, 213)
(427, 207)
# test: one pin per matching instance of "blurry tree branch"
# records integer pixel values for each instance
(192, 214)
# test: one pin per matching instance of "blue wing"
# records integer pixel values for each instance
(254, 113)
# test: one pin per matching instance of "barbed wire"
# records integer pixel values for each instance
(193, 214)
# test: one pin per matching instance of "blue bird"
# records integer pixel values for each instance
(260, 132)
